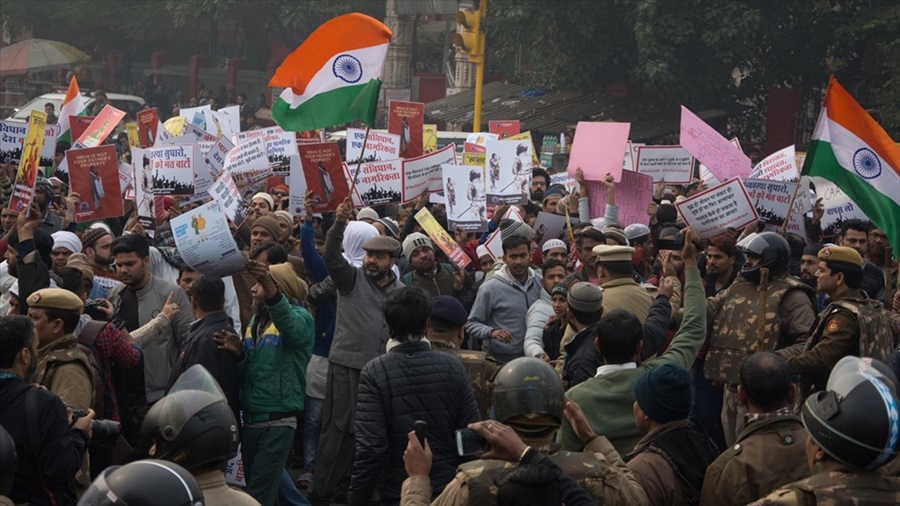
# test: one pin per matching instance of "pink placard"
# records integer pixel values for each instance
(713, 150)
(597, 149)
(633, 193)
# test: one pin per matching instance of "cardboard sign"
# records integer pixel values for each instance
(378, 182)
(204, 240)
(173, 170)
(29, 162)
(494, 245)
(380, 146)
(407, 119)
(670, 163)
(597, 148)
(101, 127)
(147, 121)
(192, 133)
(715, 210)
(633, 193)
(779, 166)
(465, 198)
(772, 199)
(713, 150)
(126, 180)
(324, 172)
(225, 121)
(526, 136)
(509, 167)
(143, 189)
(280, 146)
(442, 239)
(94, 175)
(12, 140)
(504, 129)
(563, 179)
(423, 174)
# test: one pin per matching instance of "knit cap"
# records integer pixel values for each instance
(415, 241)
(664, 393)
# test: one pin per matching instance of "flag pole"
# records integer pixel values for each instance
(362, 156)
(790, 207)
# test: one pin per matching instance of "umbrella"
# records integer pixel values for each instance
(35, 55)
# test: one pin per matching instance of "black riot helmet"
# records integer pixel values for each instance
(856, 420)
(8, 461)
(193, 424)
(144, 483)
(774, 250)
(528, 386)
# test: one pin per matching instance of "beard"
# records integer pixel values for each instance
(101, 260)
(374, 273)
(13, 269)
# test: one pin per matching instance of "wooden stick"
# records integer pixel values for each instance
(763, 294)
(790, 208)
(362, 156)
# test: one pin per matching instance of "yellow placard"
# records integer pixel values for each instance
(133, 138)
(473, 159)
(442, 239)
(29, 162)
(429, 138)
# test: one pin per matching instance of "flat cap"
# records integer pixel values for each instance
(585, 297)
(382, 244)
(607, 253)
(447, 310)
(841, 254)
(366, 213)
(55, 298)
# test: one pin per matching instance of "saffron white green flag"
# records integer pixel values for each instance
(852, 151)
(73, 105)
(333, 77)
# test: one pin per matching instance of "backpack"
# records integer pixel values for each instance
(90, 331)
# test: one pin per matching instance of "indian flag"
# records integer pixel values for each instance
(851, 150)
(333, 77)
(73, 105)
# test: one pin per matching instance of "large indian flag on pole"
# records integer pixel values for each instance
(73, 105)
(851, 150)
(333, 77)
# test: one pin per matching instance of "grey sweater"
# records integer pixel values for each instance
(501, 303)
(360, 332)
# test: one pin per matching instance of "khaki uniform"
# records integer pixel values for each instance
(216, 491)
(768, 454)
(599, 470)
(64, 369)
(837, 488)
(852, 324)
(480, 368)
(625, 294)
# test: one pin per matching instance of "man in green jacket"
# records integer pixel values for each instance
(607, 398)
(271, 367)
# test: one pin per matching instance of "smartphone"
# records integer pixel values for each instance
(469, 442)
(419, 426)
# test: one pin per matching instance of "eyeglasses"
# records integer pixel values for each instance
(281, 194)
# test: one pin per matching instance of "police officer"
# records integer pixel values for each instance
(144, 483)
(852, 324)
(734, 312)
(852, 428)
(616, 274)
(194, 425)
(528, 396)
(446, 331)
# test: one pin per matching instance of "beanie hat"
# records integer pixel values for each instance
(366, 213)
(265, 196)
(270, 224)
(80, 261)
(554, 190)
(391, 228)
(514, 228)
(415, 241)
(664, 393)
(286, 216)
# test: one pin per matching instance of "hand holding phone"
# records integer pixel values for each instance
(469, 442)
(419, 427)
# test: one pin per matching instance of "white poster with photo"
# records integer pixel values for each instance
(173, 170)
(839, 207)
(204, 240)
(779, 166)
(226, 193)
(143, 188)
(380, 146)
(670, 163)
(248, 162)
(378, 182)
(508, 165)
(215, 157)
(772, 199)
(126, 180)
(225, 121)
(297, 184)
(715, 210)
(549, 226)
(423, 174)
(190, 113)
(464, 196)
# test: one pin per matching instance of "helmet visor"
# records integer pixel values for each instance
(850, 371)
(99, 493)
(194, 390)
(753, 244)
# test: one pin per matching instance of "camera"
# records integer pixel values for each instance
(671, 244)
(104, 432)
(92, 309)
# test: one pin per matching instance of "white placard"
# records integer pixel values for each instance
(715, 210)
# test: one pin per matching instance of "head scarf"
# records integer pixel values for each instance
(355, 235)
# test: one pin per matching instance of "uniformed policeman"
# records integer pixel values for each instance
(853, 430)
(528, 396)
(616, 275)
(852, 324)
(446, 331)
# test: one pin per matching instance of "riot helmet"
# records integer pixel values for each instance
(856, 420)
(525, 387)
(144, 483)
(771, 247)
(193, 424)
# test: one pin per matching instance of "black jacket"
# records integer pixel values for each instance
(199, 348)
(656, 327)
(582, 358)
(49, 452)
(409, 383)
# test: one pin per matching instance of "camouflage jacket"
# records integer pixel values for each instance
(734, 315)
(480, 368)
(836, 488)
(64, 368)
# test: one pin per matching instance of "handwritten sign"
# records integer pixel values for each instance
(633, 193)
(714, 211)
(596, 149)
(713, 150)
(779, 166)
(672, 163)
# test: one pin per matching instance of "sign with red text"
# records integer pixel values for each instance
(504, 129)
(772, 199)
(779, 166)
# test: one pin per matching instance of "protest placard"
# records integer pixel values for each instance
(192, 133)
(567, 182)
(280, 146)
(713, 150)
(380, 146)
(473, 159)
(132, 131)
(248, 162)
(195, 115)
(324, 172)
(378, 182)
(494, 245)
(407, 119)
(126, 180)
(226, 193)
(806, 195)
(476, 142)
(549, 226)
(796, 225)
(78, 125)
(715, 210)
(101, 127)
(772, 199)
(596, 149)
(504, 129)
(27, 172)
(670, 163)
(225, 121)
(464, 194)
(215, 157)
(147, 120)
(633, 193)
(423, 174)
(839, 207)
(526, 136)
(779, 166)
(508, 165)
(12, 139)
(429, 138)
(297, 184)
(94, 176)
(173, 169)
(143, 189)
(205, 243)
(442, 239)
